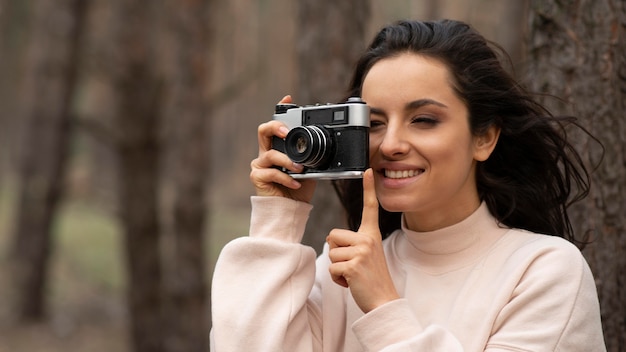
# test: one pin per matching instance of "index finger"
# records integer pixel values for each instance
(286, 100)
(269, 129)
(369, 218)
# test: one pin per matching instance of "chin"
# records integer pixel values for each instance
(395, 206)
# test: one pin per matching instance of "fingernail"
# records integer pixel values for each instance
(297, 167)
(283, 130)
(285, 97)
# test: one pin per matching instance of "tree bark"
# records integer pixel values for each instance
(52, 70)
(186, 306)
(331, 38)
(577, 51)
(139, 87)
(13, 34)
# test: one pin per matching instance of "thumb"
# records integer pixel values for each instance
(369, 218)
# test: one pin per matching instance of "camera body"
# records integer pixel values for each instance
(331, 141)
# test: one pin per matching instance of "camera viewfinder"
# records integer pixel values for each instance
(326, 116)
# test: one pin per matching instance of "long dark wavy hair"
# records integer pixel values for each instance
(533, 174)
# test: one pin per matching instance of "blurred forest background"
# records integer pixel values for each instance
(127, 128)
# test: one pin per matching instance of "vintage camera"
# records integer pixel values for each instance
(331, 141)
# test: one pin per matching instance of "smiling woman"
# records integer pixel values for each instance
(421, 143)
(456, 231)
(528, 179)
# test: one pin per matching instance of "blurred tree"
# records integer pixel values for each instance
(577, 51)
(185, 303)
(13, 35)
(4, 28)
(331, 38)
(138, 83)
(52, 69)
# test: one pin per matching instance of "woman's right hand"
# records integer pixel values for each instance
(266, 178)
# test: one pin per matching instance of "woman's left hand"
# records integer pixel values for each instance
(357, 258)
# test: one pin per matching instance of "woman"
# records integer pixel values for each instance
(468, 187)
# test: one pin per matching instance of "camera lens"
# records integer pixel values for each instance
(310, 146)
(302, 144)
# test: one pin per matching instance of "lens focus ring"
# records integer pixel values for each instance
(308, 145)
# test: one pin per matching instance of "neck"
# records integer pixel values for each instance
(448, 248)
(441, 217)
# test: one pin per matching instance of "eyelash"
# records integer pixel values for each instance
(374, 123)
(425, 119)
(429, 121)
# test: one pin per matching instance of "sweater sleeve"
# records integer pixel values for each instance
(393, 327)
(261, 284)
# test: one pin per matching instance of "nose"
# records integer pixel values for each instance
(394, 142)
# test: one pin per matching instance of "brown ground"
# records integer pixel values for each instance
(86, 319)
(58, 336)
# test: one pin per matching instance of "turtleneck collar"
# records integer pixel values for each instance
(451, 247)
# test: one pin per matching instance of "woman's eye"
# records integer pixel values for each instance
(374, 123)
(425, 120)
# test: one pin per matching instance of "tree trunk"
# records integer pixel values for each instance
(186, 306)
(331, 38)
(52, 69)
(577, 51)
(13, 33)
(137, 122)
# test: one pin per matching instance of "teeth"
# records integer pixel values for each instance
(402, 173)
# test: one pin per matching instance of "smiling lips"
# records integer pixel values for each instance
(397, 174)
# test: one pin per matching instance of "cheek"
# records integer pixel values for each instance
(452, 151)
(374, 143)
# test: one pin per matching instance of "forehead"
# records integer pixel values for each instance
(408, 73)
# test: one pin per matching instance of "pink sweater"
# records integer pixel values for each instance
(473, 286)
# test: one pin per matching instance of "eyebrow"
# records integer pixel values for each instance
(415, 104)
